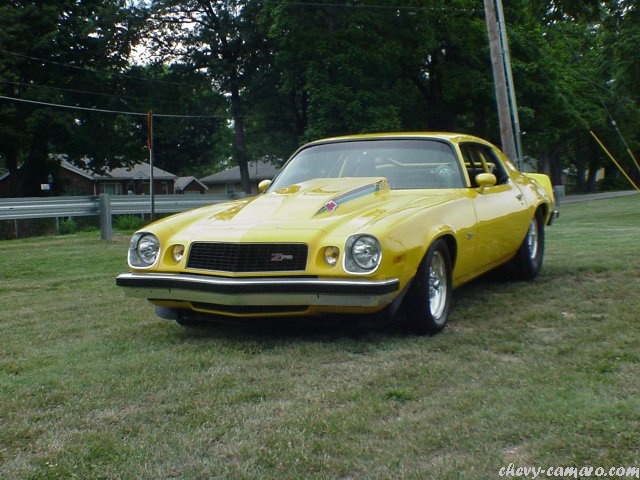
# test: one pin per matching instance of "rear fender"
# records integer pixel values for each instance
(545, 182)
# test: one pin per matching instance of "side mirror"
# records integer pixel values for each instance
(484, 180)
(263, 185)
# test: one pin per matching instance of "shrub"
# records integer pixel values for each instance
(128, 222)
(67, 225)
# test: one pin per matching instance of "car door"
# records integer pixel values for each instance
(501, 210)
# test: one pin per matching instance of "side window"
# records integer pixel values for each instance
(472, 161)
(480, 158)
(493, 165)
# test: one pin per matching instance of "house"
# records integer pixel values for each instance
(73, 179)
(189, 185)
(228, 181)
(134, 180)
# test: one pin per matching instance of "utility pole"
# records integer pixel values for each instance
(503, 81)
(150, 146)
(506, 61)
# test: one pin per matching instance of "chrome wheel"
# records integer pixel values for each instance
(437, 286)
(428, 300)
(532, 239)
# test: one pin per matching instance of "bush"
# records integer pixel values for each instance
(613, 183)
(67, 226)
(25, 228)
(128, 222)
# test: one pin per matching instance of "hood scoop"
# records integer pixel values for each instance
(292, 206)
(352, 189)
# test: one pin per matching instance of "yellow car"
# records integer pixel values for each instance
(351, 225)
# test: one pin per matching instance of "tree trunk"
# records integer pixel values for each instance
(35, 170)
(549, 164)
(240, 145)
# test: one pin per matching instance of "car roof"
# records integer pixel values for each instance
(447, 136)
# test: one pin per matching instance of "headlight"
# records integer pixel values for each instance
(143, 250)
(363, 254)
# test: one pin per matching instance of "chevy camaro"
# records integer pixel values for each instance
(365, 224)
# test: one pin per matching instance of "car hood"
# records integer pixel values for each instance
(319, 204)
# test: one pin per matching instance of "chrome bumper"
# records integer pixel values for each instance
(259, 291)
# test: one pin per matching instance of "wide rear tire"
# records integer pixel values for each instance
(429, 298)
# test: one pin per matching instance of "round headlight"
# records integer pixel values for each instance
(364, 254)
(148, 248)
(144, 250)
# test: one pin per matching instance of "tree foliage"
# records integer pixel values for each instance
(219, 39)
(250, 79)
(54, 53)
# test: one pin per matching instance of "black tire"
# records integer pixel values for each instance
(184, 318)
(188, 321)
(528, 259)
(429, 298)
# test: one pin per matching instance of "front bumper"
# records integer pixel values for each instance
(281, 291)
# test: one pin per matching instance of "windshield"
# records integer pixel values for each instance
(406, 164)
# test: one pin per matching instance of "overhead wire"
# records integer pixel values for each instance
(92, 70)
(100, 72)
(71, 90)
(370, 6)
(102, 110)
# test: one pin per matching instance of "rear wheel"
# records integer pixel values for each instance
(528, 260)
(429, 299)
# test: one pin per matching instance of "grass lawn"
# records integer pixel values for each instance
(93, 385)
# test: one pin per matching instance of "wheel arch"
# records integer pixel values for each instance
(452, 245)
(544, 209)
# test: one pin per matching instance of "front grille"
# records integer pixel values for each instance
(248, 257)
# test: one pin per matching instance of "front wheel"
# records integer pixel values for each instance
(429, 299)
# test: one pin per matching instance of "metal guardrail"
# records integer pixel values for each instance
(124, 204)
(103, 205)
(52, 207)
(36, 207)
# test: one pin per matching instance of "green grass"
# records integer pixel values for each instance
(93, 385)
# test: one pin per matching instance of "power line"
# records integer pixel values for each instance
(71, 90)
(101, 110)
(165, 102)
(92, 70)
(371, 6)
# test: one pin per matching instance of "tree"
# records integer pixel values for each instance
(621, 61)
(555, 60)
(220, 39)
(51, 52)
(187, 136)
(349, 67)
(261, 77)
